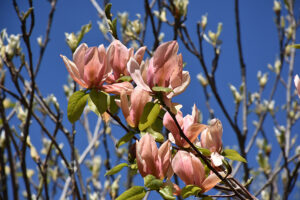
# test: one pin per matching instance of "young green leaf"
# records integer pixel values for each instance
(76, 105)
(124, 79)
(150, 113)
(233, 155)
(157, 135)
(116, 169)
(107, 10)
(190, 190)
(167, 192)
(161, 89)
(152, 182)
(134, 193)
(124, 139)
(204, 151)
(100, 100)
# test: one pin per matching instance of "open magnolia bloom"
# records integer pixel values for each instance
(164, 69)
(151, 160)
(118, 57)
(211, 139)
(133, 110)
(89, 68)
(191, 171)
(297, 84)
(189, 125)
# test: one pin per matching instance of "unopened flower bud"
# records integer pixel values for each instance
(202, 80)
(40, 41)
(277, 66)
(277, 7)
(203, 21)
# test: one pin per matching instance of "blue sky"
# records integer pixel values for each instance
(259, 41)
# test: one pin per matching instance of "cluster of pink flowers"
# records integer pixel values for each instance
(100, 68)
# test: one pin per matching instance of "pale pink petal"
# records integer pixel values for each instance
(193, 131)
(164, 152)
(138, 56)
(91, 67)
(149, 153)
(195, 114)
(211, 181)
(140, 161)
(134, 70)
(297, 84)
(216, 159)
(138, 98)
(78, 58)
(125, 108)
(73, 71)
(186, 79)
(182, 166)
(116, 88)
(198, 169)
(176, 76)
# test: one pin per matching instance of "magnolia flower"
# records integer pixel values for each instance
(133, 111)
(191, 171)
(151, 160)
(297, 84)
(164, 69)
(118, 57)
(189, 125)
(211, 138)
(89, 68)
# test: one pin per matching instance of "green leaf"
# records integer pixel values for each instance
(100, 100)
(114, 28)
(113, 107)
(124, 139)
(296, 46)
(134, 193)
(190, 190)
(157, 135)
(233, 155)
(76, 105)
(84, 30)
(107, 10)
(93, 107)
(152, 182)
(161, 89)
(116, 169)
(167, 192)
(124, 79)
(150, 113)
(204, 151)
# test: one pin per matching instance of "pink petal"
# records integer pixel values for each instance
(182, 166)
(138, 56)
(116, 88)
(125, 108)
(186, 79)
(193, 131)
(91, 67)
(164, 152)
(211, 181)
(135, 72)
(73, 71)
(78, 58)
(138, 99)
(199, 172)
(297, 84)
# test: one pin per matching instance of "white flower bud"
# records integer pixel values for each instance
(202, 80)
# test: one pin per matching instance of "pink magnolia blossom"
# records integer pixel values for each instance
(89, 68)
(191, 171)
(189, 125)
(297, 84)
(133, 111)
(211, 138)
(118, 57)
(164, 69)
(151, 160)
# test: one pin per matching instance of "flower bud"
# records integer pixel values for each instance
(202, 80)
(277, 7)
